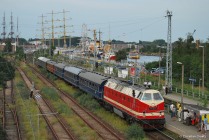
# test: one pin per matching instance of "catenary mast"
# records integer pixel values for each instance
(12, 26)
(168, 78)
(4, 28)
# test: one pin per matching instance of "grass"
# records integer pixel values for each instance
(27, 110)
(50, 93)
(80, 129)
(87, 101)
(77, 125)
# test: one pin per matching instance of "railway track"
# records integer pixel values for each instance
(102, 129)
(158, 135)
(10, 118)
(54, 121)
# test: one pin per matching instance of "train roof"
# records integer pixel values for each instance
(44, 59)
(114, 80)
(124, 83)
(73, 70)
(94, 77)
(51, 62)
(137, 87)
(60, 65)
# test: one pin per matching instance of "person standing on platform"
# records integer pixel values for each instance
(171, 110)
(199, 122)
(205, 123)
(166, 90)
(174, 112)
(179, 112)
(177, 105)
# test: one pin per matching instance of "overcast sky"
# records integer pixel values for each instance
(128, 20)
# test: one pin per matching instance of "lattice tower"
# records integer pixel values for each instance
(168, 80)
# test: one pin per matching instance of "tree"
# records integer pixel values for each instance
(121, 54)
(19, 54)
(160, 42)
(8, 47)
(7, 71)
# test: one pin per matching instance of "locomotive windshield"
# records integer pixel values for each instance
(151, 96)
(157, 96)
(147, 96)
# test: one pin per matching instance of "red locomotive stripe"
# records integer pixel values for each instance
(132, 111)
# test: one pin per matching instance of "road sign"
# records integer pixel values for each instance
(192, 79)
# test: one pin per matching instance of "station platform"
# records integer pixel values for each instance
(184, 131)
(177, 98)
(188, 132)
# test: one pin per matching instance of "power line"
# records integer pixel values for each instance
(140, 29)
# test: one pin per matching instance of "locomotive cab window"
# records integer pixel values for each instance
(157, 96)
(147, 96)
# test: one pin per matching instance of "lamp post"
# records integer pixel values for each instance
(199, 87)
(182, 86)
(159, 68)
(203, 63)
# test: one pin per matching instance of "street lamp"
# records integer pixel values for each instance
(199, 87)
(203, 63)
(159, 68)
(182, 86)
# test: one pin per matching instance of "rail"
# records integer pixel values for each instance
(99, 122)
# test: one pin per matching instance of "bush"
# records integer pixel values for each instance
(63, 108)
(77, 94)
(3, 134)
(50, 93)
(135, 132)
(87, 101)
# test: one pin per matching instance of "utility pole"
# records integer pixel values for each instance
(64, 27)
(95, 37)
(100, 44)
(11, 29)
(159, 68)
(17, 37)
(4, 28)
(52, 28)
(168, 78)
(42, 30)
(60, 26)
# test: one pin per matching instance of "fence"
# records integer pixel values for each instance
(187, 93)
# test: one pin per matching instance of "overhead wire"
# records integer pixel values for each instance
(140, 29)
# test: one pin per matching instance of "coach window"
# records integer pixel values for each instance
(96, 87)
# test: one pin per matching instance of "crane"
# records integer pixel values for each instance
(190, 36)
